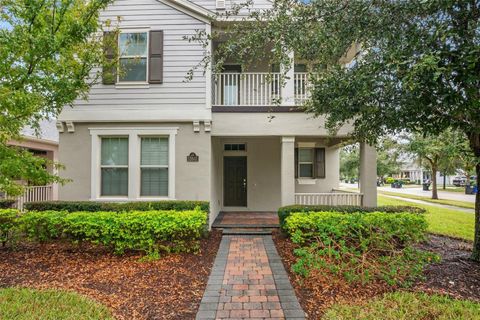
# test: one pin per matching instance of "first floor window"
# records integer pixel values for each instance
(154, 166)
(114, 166)
(305, 162)
(310, 163)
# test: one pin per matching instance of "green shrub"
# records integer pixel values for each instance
(360, 247)
(96, 206)
(8, 224)
(147, 231)
(284, 212)
(390, 180)
(6, 203)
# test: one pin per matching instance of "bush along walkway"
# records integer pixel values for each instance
(248, 281)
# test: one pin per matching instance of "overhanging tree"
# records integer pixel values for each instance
(48, 52)
(417, 68)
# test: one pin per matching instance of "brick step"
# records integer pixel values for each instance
(249, 231)
(244, 226)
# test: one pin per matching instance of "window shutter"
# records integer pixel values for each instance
(155, 64)
(296, 162)
(110, 49)
(320, 163)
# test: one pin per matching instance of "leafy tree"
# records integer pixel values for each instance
(388, 157)
(48, 51)
(415, 67)
(349, 161)
(433, 152)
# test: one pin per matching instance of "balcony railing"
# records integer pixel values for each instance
(301, 87)
(330, 199)
(256, 89)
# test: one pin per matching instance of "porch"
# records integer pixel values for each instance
(253, 176)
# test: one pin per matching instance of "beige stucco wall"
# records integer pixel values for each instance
(271, 124)
(192, 179)
(332, 171)
(263, 172)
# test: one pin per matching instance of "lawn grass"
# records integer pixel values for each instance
(448, 222)
(457, 203)
(27, 304)
(406, 305)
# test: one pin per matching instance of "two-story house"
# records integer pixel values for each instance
(147, 134)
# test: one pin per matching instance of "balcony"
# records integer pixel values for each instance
(258, 89)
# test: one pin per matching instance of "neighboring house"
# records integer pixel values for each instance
(43, 143)
(151, 135)
(411, 169)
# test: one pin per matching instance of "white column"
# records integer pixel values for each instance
(368, 174)
(287, 173)
(288, 90)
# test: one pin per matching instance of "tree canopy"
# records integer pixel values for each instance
(48, 52)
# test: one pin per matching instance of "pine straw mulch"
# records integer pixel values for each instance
(455, 275)
(169, 288)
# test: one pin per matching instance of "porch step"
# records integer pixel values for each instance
(245, 226)
(239, 231)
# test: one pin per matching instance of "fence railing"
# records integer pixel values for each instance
(33, 194)
(246, 89)
(330, 199)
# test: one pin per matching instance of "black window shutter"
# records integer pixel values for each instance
(110, 49)
(319, 163)
(155, 63)
(296, 162)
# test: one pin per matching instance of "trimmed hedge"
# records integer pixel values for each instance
(360, 247)
(97, 206)
(6, 203)
(147, 231)
(8, 223)
(284, 212)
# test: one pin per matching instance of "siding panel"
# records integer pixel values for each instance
(179, 57)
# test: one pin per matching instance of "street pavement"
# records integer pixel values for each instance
(417, 191)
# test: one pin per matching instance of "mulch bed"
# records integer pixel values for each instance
(455, 275)
(169, 288)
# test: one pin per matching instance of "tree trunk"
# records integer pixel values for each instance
(476, 242)
(467, 177)
(444, 181)
(434, 182)
(475, 145)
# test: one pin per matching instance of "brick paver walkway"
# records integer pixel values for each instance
(248, 281)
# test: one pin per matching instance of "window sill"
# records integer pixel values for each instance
(132, 85)
(110, 199)
(126, 199)
(306, 181)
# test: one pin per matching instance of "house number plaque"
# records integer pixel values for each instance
(192, 157)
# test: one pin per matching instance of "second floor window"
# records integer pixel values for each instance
(133, 48)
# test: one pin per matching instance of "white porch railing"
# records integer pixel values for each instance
(246, 89)
(33, 194)
(301, 87)
(330, 199)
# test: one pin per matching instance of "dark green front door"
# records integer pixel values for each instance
(235, 181)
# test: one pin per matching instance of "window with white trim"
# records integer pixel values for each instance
(133, 163)
(133, 53)
(114, 166)
(154, 166)
(305, 162)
